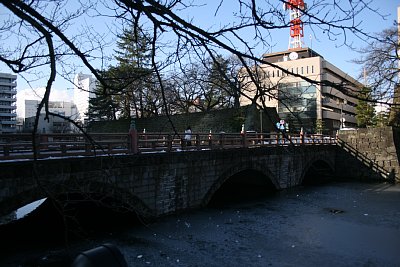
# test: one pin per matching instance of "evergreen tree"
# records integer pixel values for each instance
(134, 67)
(382, 119)
(365, 109)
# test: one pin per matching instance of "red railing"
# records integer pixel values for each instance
(20, 146)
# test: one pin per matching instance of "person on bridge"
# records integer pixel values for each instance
(188, 136)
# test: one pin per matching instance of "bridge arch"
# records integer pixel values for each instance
(317, 171)
(232, 171)
(127, 199)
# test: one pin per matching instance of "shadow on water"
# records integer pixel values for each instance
(244, 187)
(55, 224)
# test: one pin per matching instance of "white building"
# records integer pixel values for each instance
(301, 102)
(55, 124)
(8, 92)
(67, 109)
(84, 88)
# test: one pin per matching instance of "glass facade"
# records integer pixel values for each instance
(298, 105)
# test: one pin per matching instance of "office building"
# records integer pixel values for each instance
(304, 104)
(84, 88)
(8, 107)
(54, 124)
(64, 108)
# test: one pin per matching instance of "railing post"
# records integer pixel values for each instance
(197, 141)
(221, 140)
(44, 140)
(169, 143)
(37, 147)
(244, 141)
(63, 149)
(133, 138)
(301, 136)
(6, 150)
(183, 143)
(210, 139)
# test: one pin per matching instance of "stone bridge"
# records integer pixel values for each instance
(155, 184)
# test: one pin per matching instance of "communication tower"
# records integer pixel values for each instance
(296, 25)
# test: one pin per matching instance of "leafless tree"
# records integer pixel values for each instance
(380, 61)
(48, 43)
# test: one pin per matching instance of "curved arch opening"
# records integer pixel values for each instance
(318, 173)
(70, 217)
(244, 186)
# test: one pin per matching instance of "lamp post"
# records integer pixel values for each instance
(341, 102)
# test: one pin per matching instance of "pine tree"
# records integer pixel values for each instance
(365, 109)
(133, 56)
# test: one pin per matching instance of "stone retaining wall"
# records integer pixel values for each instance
(371, 149)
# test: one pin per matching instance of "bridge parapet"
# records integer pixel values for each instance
(21, 146)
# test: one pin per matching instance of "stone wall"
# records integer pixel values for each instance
(226, 120)
(369, 153)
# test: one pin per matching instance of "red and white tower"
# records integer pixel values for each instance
(296, 25)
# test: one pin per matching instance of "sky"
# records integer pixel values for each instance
(334, 52)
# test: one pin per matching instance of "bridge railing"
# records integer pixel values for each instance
(150, 142)
(20, 146)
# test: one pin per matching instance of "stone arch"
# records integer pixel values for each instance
(123, 196)
(235, 169)
(21, 199)
(132, 201)
(317, 164)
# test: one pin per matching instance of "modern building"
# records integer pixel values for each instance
(309, 97)
(84, 88)
(55, 124)
(8, 107)
(65, 108)
(52, 125)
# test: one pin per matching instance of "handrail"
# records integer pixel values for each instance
(19, 146)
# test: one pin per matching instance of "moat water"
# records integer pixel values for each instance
(335, 224)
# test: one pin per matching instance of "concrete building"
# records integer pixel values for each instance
(84, 88)
(301, 103)
(8, 107)
(67, 109)
(55, 124)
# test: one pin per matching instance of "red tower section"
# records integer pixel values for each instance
(296, 25)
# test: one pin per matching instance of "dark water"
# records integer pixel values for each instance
(336, 224)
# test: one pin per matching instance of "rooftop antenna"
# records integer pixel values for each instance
(296, 25)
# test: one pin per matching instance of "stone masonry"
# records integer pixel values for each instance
(156, 184)
(375, 149)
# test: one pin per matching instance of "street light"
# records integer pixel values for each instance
(341, 102)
